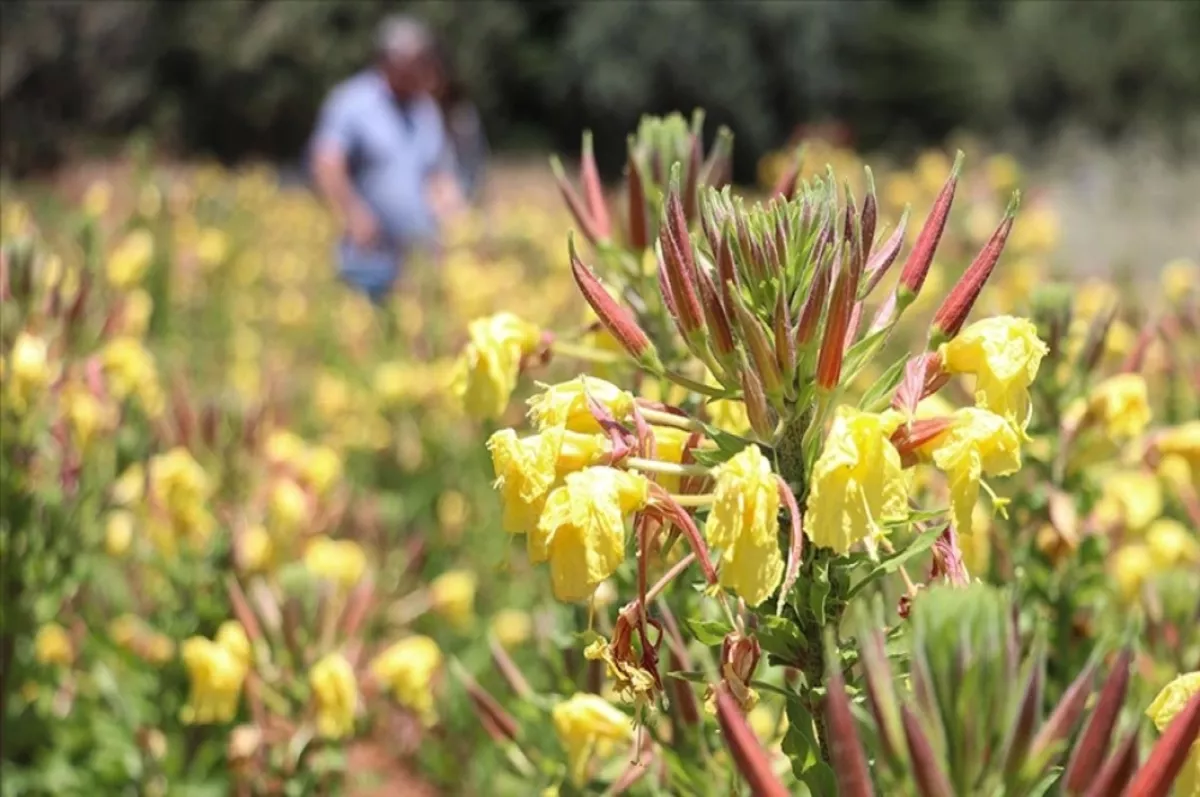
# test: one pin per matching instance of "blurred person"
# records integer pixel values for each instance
(465, 128)
(383, 161)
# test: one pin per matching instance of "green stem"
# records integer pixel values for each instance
(665, 468)
(658, 418)
(696, 387)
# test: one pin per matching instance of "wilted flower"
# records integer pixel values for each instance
(487, 371)
(582, 529)
(857, 482)
(1003, 353)
(128, 262)
(408, 668)
(981, 443)
(335, 693)
(744, 524)
(588, 725)
(453, 596)
(565, 404)
(340, 561)
(52, 646)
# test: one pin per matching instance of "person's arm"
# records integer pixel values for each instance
(332, 144)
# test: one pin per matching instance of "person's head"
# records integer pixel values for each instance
(405, 52)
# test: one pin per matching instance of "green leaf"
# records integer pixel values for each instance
(878, 396)
(819, 589)
(692, 676)
(781, 637)
(803, 750)
(861, 352)
(708, 632)
(892, 563)
(727, 446)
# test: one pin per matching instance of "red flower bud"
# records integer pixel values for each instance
(951, 316)
(747, 753)
(639, 237)
(833, 345)
(880, 262)
(916, 268)
(593, 189)
(587, 225)
(616, 319)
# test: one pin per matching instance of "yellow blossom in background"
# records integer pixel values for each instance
(131, 372)
(52, 646)
(212, 248)
(1130, 566)
(729, 415)
(1166, 706)
(1003, 353)
(1122, 404)
(28, 371)
(857, 482)
(287, 507)
(256, 549)
(216, 675)
(487, 371)
(97, 198)
(981, 443)
(565, 404)
(453, 597)
(582, 528)
(408, 668)
(976, 542)
(1179, 279)
(130, 486)
(452, 512)
(341, 561)
(136, 309)
(118, 532)
(284, 447)
(587, 725)
(744, 524)
(1171, 544)
(232, 636)
(512, 627)
(87, 415)
(127, 264)
(335, 693)
(321, 468)
(1135, 495)
(1183, 441)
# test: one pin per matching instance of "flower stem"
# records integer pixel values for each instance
(587, 353)
(659, 418)
(665, 468)
(669, 576)
(696, 387)
(702, 499)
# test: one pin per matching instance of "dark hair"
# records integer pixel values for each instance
(451, 90)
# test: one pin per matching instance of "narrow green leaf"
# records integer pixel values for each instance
(892, 563)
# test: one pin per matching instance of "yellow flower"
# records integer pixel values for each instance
(565, 404)
(729, 415)
(527, 468)
(118, 532)
(86, 414)
(53, 646)
(1122, 404)
(976, 542)
(1136, 495)
(335, 692)
(1130, 566)
(212, 248)
(512, 627)
(857, 483)
(128, 262)
(1170, 701)
(487, 371)
(453, 595)
(97, 198)
(340, 561)
(1183, 441)
(321, 468)
(408, 667)
(287, 507)
(1179, 278)
(980, 443)
(582, 528)
(29, 370)
(135, 313)
(257, 549)
(130, 486)
(178, 480)
(216, 674)
(1171, 544)
(452, 513)
(1003, 353)
(588, 725)
(284, 447)
(232, 636)
(744, 524)
(131, 371)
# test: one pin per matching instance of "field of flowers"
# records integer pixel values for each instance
(841, 484)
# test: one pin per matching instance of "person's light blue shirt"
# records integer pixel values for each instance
(392, 148)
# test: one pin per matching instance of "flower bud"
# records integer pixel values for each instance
(619, 321)
(587, 225)
(762, 355)
(639, 237)
(833, 345)
(881, 262)
(593, 189)
(916, 267)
